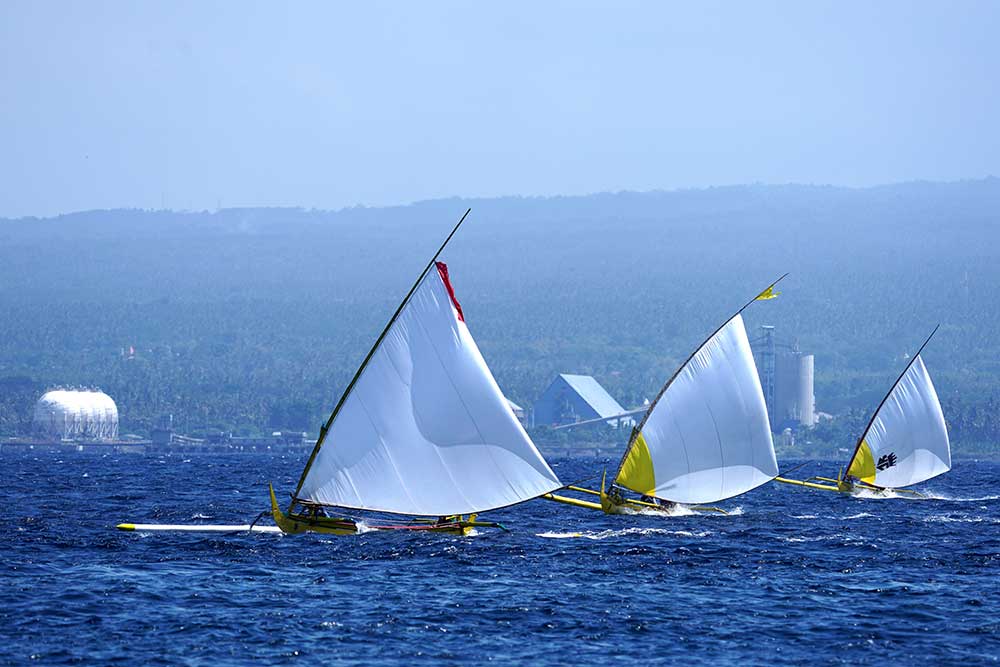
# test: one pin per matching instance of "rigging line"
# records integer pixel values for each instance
(378, 342)
(794, 468)
(578, 483)
(637, 430)
(864, 434)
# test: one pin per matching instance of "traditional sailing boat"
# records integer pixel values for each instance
(905, 443)
(705, 438)
(422, 430)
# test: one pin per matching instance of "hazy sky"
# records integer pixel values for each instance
(196, 104)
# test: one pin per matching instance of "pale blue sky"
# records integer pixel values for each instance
(193, 104)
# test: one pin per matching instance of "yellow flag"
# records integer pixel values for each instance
(769, 293)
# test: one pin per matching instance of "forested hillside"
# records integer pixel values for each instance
(254, 319)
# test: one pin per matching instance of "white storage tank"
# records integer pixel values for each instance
(807, 399)
(64, 414)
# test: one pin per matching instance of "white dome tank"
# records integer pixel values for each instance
(64, 414)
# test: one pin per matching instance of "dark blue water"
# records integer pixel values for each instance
(795, 577)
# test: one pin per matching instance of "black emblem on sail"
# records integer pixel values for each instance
(886, 461)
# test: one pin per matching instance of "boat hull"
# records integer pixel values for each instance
(293, 523)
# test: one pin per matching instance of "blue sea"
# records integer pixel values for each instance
(790, 576)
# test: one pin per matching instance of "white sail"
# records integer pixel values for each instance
(708, 437)
(426, 431)
(907, 441)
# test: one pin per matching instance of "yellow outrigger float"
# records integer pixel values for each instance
(422, 431)
(905, 442)
(705, 437)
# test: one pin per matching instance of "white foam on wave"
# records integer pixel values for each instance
(944, 518)
(809, 538)
(624, 532)
(676, 510)
(890, 494)
(885, 494)
(952, 499)
(859, 515)
(669, 510)
(804, 516)
(363, 527)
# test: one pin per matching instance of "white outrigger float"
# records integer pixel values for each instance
(422, 439)
(905, 443)
(705, 438)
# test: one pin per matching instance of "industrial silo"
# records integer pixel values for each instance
(786, 376)
(807, 398)
(63, 414)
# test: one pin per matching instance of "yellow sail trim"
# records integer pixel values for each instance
(637, 469)
(769, 293)
(863, 465)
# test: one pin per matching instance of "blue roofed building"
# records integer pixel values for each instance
(574, 398)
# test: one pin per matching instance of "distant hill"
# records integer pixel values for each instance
(254, 319)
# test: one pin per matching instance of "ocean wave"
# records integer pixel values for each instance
(676, 510)
(886, 494)
(943, 518)
(952, 499)
(624, 532)
(809, 538)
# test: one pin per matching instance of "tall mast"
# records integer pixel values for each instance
(871, 421)
(347, 392)
(638, 429)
